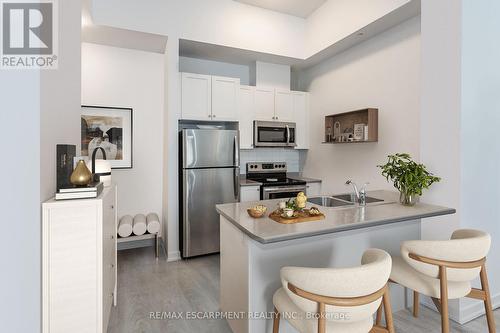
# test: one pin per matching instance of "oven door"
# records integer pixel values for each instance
(281, 192)
(274, 134)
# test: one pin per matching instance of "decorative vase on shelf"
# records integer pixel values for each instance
(408, 199)
(81, 176)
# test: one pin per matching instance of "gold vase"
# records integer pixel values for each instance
(81, 176)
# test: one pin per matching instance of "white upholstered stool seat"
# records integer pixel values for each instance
(444, 269)
(402, 273)
(331, 300)
(285, 305)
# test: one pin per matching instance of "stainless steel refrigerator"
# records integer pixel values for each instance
(209, 175)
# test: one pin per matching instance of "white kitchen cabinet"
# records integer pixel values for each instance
(249, 193)
(224, 98)
(284, 110)
(301, 114)
(196, 96)
(264, 104)
(79, 263)
(313, 189)
(246, 115)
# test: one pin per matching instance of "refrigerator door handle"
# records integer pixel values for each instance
(236, 184)
(236, 151)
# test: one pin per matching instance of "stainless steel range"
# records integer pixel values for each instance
(275, 183)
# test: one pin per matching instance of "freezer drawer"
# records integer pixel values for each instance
(203, 148)
(202, 190)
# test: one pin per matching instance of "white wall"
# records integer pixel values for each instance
(221, 22)
(480, 145)
(383, 72)
(129, 78)
(20, 251)
(234, 24)
(272, 75)
(209, 67)
(34, 104)
(337, 19)
(60, 121)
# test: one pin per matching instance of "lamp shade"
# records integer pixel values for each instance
(103, 170)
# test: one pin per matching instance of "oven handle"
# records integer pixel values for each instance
(287, 134)
(284, 189)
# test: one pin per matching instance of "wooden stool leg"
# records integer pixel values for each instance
(322, 319)
(487, 301)
(378, 321)
(276, 323)
(389, 322)
(416, 303)
(443, 279)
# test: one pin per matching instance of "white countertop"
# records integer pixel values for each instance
(265, 230)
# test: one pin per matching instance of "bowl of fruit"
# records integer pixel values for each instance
(257, 211)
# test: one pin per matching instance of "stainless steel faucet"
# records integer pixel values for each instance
(360, 195)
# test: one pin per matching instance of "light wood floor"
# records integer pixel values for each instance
(146, 285)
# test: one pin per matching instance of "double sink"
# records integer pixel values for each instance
(339, 200)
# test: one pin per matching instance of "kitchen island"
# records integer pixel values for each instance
(254, 250)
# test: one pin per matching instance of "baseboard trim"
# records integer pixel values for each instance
(174, 256)
(464, 314)
(473, 311)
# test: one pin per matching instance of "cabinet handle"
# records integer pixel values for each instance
(112, 236)
(213, 116)
(209, 116)
(112, 206)
(112, 265)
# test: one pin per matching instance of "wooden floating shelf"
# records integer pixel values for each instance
(346, 121)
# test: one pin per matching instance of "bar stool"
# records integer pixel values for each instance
(335, 300)
(444, 270)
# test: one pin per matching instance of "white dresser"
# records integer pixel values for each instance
(79, 263)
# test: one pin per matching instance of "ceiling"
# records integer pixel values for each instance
(300, 8)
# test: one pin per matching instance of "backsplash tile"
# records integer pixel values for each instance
(290, 156)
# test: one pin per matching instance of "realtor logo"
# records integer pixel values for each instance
(29, 34)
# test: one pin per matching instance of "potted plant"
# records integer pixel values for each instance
(408, 176)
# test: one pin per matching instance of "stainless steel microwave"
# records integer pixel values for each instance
(274, 134)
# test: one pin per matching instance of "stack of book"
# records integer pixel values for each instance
(92, 190)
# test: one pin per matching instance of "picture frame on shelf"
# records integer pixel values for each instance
(110, 128)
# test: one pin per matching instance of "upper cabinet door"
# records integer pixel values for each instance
(264, 103)
(196, 90)
(284, 106)
(301, 111)
(224, 98)
(246, 115)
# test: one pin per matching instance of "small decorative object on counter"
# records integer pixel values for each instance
(288, 212)
(101, 169)
(281, 205)
(257, 211)
(301, 200)
(314, 211)
(408, 176)
(81, 176)
(64, 165)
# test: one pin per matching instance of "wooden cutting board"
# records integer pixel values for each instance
(302, 216)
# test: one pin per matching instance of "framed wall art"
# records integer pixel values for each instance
(111, 129)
